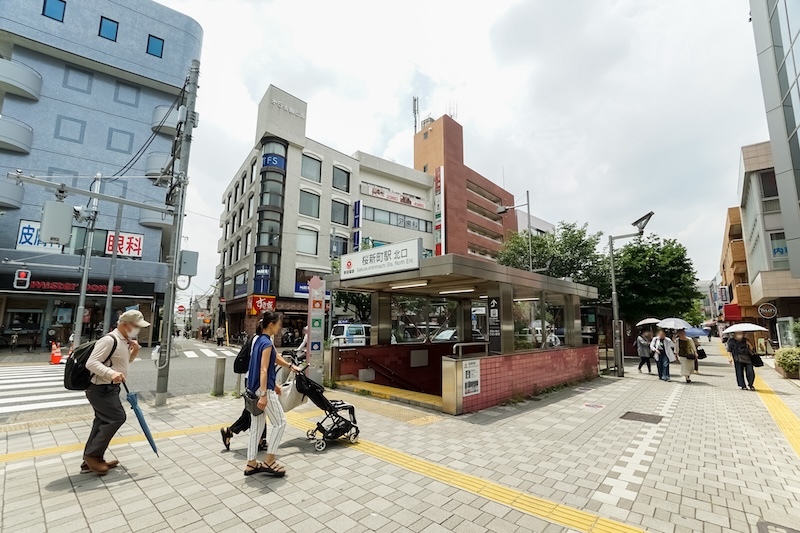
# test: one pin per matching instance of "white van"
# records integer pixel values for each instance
(350, 335)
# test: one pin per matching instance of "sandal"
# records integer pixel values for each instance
(227, 435)
(262, 446)
(274, 469)
(259, 468)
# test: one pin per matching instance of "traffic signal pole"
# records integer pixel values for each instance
(178, 185)
(88, 243)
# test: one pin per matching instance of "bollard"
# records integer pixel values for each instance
(219, 376)
(238, 385)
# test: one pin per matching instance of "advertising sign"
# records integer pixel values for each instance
(439, 212)
(391, 196)
(385, 259)
(316, 326)
(128, 244)
(494, 325)
(28, 238)
(273, 160)
(471, 377)
(767, 310)
(258, 304)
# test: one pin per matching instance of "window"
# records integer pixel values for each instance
(248, 243)
(780, 253)
(425, 168)
(229, 202)
(236, 193)
(369, 213)
(307, 241)
(425, 136)
(244, 182)
(230, 255)
(382, 216)
(108, 29)
(238, 249)
(224, 256)
(311, 169)
(250, 204)
(339, 213)
(155, 46)
(241, 216)
(341, 179)
(253, 171)
(233, 224)
(227, 230)
(271, 193)
(769, 187)
(309, 204)
(339, 246)
(54, 9)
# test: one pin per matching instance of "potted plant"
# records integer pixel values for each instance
(787, 362)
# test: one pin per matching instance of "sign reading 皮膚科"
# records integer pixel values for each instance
(380, 260)
(28, 238)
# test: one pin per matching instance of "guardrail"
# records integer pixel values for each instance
(458, 349)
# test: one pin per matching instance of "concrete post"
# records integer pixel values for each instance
(219, 376)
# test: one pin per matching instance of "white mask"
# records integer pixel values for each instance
(134, 333)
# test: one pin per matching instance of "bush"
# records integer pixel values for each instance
(788, 359)
(523, 345)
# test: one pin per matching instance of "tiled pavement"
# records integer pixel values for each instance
(715, 462)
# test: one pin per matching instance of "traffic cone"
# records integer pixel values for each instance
(55, 354)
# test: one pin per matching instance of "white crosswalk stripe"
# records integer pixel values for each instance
(31, 388)
(190, 354)
(208, 353)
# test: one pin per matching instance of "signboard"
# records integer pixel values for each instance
(273, 160)
(357, 215)
(29, 238)
(65, 285)
(128, 244)
(471, 377)
(724, 296)
(316, 326)
(240, 285)
(386, 259)
(767, 310)
(181, 309)
(493, 321)
(391, 196)
(439, 212)
(258, 304)
(261, 281)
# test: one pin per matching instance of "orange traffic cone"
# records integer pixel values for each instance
(55, 354)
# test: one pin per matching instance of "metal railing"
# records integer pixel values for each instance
(458, 349)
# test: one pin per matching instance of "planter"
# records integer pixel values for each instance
(788, 375)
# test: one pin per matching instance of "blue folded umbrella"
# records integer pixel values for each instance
(133, 399)
(696, 332)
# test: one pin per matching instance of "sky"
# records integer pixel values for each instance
(604, 110)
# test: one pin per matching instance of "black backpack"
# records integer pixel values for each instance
(242, 361)
(76, 376)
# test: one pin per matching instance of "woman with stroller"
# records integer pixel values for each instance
(261, 383)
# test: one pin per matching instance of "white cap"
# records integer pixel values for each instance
(134, 317)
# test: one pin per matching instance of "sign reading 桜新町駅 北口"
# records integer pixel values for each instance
(398, 257)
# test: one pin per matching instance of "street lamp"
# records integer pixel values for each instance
(502, 210)
(639, 225)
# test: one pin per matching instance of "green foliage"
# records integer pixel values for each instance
(695, 315)
(796, 331)
(359, 303)
(573, 250)
(329, 383)
(523, 345)
(655, 278)
(788, 359)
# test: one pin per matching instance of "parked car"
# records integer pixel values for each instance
(451, 335)
(350, 335)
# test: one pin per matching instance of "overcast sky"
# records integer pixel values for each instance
(605, 110)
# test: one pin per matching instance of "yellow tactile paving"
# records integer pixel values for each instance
(784, 418)
(388, 393)
(547, 510)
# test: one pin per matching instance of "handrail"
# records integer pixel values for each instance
(460, 345)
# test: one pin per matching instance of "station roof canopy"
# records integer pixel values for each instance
(461, 277)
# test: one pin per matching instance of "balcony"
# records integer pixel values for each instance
(11, 194)
(741, 295)
(15, 136)
(737, 258)
(19, 79)
(155, 163)
(154, 219)
(170, 125)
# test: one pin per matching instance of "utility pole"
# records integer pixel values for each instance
(179, 183)
(87, 261)
(113, 272)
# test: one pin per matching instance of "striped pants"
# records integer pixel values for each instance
(277, 420)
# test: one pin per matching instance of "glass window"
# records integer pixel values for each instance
(233, 224)
(248, 243)
(307, 240)
(309, 204)
(274, 148)
(271, 193)
(108, 29)
(54, 9)
(311, 169)
(341, 179)
(793, 12)
(250, 206)
(155, 46)
(238, 249)
(780, 253)
(230, 255)
(241, 216)
(225, 256)
(244, 183)
(769, 186)
(784, 33)
(369, 213)
(340, 213)
(339, 246)
(236, 193)
(253, 171)
(381, 216)
(227, 230)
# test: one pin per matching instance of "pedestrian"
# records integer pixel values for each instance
(664, 347)
(687, 354)
(243, 422)
(643, 348)
(14, 341)
(262, 384)
(220, 335)
(739, 351)
(108, 364)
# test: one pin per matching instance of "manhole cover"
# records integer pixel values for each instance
(641, 417)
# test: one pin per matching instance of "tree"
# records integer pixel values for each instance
(654, 278)
(571, 250)
(359, 303)
(695, 316)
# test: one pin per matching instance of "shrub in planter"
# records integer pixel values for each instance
(788, 360)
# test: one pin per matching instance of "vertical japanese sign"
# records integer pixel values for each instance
(316, 326)
(128, 244)
(471, 377)
(439, 211)
(29, 238)
(493, 321)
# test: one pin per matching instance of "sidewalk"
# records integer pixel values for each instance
(713, 459)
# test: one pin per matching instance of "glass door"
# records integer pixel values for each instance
(785, 336)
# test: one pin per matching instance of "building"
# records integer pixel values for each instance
(538, 226)
(735, 285)
(295, 204)
(466, 203)
(764, 235)
(84, 85)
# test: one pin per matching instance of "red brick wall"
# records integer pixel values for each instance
(503, 377)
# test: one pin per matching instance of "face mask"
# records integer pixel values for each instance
(134, 333)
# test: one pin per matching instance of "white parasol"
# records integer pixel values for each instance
(647, 322)
(743, 328)
(674, 323)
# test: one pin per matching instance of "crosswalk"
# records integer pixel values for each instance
(31, 388)
(193, 352)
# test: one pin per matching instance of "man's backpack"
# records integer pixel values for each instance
(242, 361)
(76, 376)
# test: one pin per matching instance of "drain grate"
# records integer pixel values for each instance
(642, 417)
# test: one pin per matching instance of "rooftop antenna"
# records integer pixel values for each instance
(452, 110)
(416, 112)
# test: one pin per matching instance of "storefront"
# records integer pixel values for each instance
(45, 311)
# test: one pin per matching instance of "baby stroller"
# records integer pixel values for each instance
(334, 425)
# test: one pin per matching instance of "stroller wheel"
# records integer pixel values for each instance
(320, 445)
(311, 433)
(353, 437)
